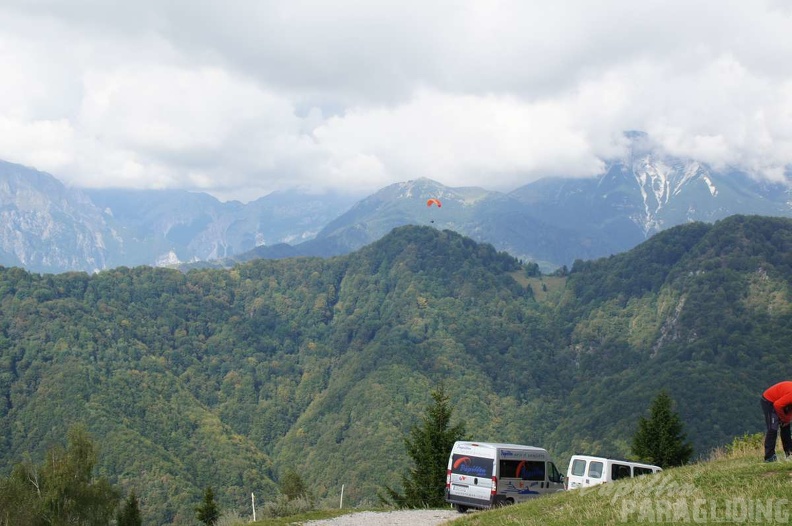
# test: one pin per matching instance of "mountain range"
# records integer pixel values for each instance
(48, 227)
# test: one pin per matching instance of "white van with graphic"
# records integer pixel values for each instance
(586, 470)
(483, 474)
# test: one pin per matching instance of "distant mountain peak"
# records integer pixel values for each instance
(424, 188)
(660, 181)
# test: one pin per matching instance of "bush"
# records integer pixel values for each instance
(231, 518)
(284, 507)
(746, 445)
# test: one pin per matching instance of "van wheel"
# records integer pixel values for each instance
(460, 508)
(508, 502)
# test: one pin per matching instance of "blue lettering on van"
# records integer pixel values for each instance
(469, 469)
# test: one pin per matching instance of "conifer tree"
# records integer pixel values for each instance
(660, 439)
(208, 512)
(428, 445)
(129, 515)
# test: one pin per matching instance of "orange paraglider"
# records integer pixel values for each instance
(434, 201)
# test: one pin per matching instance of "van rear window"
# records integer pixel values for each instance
(471, 466)
(578, 467)
(595, 470)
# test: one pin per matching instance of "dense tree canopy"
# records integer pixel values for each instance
(225, 378)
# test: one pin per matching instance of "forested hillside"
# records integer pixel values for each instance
(230, 377)
(700, 310)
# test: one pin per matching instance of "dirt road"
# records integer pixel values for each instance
(390, 518)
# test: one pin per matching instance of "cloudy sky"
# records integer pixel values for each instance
(242, 97)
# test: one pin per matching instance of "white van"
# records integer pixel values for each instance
(585, 470)
(482, 475)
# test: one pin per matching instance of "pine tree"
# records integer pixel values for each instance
(660, 439)
(208, 513)
(428, 445)
(129, 515)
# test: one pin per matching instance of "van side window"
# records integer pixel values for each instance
(620, 471)
(595, 470)
(578, 467)
(642, 471)
(522, 469)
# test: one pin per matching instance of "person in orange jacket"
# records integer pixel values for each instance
(777, 408)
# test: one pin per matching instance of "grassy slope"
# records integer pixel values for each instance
(734, 487)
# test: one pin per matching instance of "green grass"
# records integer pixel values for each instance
(545, 288)
(734, 487)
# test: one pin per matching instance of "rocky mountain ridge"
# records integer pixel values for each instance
(47, 227)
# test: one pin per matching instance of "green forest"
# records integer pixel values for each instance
(233, 378)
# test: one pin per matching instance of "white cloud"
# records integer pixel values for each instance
(240, 98)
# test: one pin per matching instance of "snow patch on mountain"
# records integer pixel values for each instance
(168, 259)
(659, 182)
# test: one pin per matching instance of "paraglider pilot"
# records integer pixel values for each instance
(777, 408)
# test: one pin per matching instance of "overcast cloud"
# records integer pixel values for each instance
(239, 98)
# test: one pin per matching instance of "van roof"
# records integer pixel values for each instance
(499, 445)
(594, 457)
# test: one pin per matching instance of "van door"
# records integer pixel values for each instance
(595, 470)
(519, 480)
(555, 480)
(470, 481)
(576, 473)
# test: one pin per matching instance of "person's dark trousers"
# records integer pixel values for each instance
(773, 423)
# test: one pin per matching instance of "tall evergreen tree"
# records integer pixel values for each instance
(129, 515)
(208, 512)
(660, 439)
(428, 445)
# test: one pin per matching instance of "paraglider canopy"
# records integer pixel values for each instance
(434, 201)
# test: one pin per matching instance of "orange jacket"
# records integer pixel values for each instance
(781, 396)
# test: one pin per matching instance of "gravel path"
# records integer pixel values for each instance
(390, 518)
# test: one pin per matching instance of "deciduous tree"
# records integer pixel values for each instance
(292, 485)
(62, 490)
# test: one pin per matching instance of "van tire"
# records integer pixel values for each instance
(460, 508)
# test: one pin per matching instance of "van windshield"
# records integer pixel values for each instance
(471, 466)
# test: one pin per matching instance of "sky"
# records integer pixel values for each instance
(240, 98)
